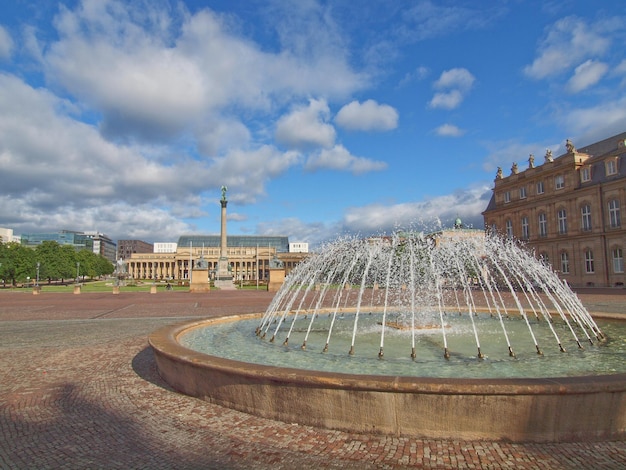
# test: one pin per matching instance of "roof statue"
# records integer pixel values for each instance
(531, 161)
(549, 156)
(499, 173)
(569, 146)
(514, 169)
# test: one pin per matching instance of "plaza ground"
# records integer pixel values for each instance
(79, 390)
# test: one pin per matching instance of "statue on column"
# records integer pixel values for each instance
(224, 189)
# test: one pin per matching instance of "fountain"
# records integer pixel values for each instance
(459, 335)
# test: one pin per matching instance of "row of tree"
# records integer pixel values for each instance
(49, 261)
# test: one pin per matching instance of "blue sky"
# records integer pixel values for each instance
(321, 117)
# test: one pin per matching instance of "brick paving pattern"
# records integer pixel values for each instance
(79, 390)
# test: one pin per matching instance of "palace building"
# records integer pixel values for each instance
(249, 258)
(568, 210)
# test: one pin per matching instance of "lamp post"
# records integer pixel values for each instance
(77, 271)
(37, 283)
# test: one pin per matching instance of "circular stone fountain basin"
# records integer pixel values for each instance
(548, 409)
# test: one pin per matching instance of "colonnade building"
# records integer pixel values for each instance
(248, 257)
(568, 210)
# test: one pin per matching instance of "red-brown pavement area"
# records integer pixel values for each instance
(79, 390)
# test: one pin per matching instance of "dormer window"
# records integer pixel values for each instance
(611, 167)
(585, 174)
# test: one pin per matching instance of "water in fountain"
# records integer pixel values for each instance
(404, 285)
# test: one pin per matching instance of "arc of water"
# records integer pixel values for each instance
(438, 289)
(385, 304)
(360, 297)
(469, 302)
(338, 299)
(516, 300)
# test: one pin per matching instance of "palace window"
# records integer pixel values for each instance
(614, 215)
(564, 262)
(585, 212)
(589, 262)
(585, 174)
(543, 257)
(525, 231)
(522, 192)
(611, 167)
(540, 188)
(559, 182)
(507, 197)
(562, 217)
(618, 260)
(509, 228)
(543, 225)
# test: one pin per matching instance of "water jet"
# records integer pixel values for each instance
(460, 338)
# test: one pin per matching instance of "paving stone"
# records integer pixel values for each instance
(79, 389)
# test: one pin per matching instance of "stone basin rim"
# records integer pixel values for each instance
(165, 342)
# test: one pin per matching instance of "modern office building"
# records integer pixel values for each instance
(568, 210)
(126, 248)
(97, 242)
(6, 235)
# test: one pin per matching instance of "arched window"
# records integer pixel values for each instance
(585, 212)
(562, 217)
(614, 215)
(564, 262)
(525, 229)
(543, 225)
(509, 228)
(589, 268)
(618, 260)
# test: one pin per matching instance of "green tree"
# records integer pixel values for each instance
(18, 262)
(93, 265)
(56, 261)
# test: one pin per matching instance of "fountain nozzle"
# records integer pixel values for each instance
(381, 353)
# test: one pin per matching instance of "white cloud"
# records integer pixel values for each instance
(454, 83)
(307, 126)
(6, 43)
(218, 135)
(449, 130)
(58, 173)
(153, 77)
(367, 116)
(458, 78)
(466, 204)
(447, 100)
(597, 122)
(249, 170)
(586, 74)
(568, 42)
(339, 158)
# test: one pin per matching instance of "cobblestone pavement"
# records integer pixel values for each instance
(79, 390)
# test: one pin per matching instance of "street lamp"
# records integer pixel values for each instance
(37, 283)
(77, 270)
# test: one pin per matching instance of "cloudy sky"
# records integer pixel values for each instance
(321, 117)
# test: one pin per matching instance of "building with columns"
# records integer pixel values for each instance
(568, 210)
(248, 258)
